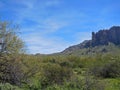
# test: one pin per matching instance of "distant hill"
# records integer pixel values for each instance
(103, 41)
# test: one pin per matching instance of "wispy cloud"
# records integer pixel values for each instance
(51, 25)
(37, 37)
(41, 44)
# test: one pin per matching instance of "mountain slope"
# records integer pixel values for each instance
(103, 41)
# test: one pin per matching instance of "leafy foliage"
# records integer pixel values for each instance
(10, 70)
(55, 74)
(9, 40)
(110, 69)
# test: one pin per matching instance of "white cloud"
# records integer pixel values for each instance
(51, 25)
(38, 40)
(41, 43)
(44, 45)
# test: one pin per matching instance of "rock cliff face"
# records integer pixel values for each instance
(102, 37)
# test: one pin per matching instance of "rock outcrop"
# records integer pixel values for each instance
(102, 37)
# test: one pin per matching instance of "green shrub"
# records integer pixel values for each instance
(8, 86)
(10, 70)
(55, 74)
(66, 64)
(107, 70)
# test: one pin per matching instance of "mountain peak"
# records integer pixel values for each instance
(102, 37)
(115, 28)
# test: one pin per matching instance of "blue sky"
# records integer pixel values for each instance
(49, 26)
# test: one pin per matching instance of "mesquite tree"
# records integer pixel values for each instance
(11, 46)
(9, 40)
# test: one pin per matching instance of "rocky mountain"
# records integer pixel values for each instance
(103, 37)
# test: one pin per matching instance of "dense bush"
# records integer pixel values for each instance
(55, 74)
(107, 70)
(10, 70)
(8, 86)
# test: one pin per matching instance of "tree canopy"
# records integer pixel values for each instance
(9, 39)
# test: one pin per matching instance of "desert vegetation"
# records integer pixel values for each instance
(21, 71)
